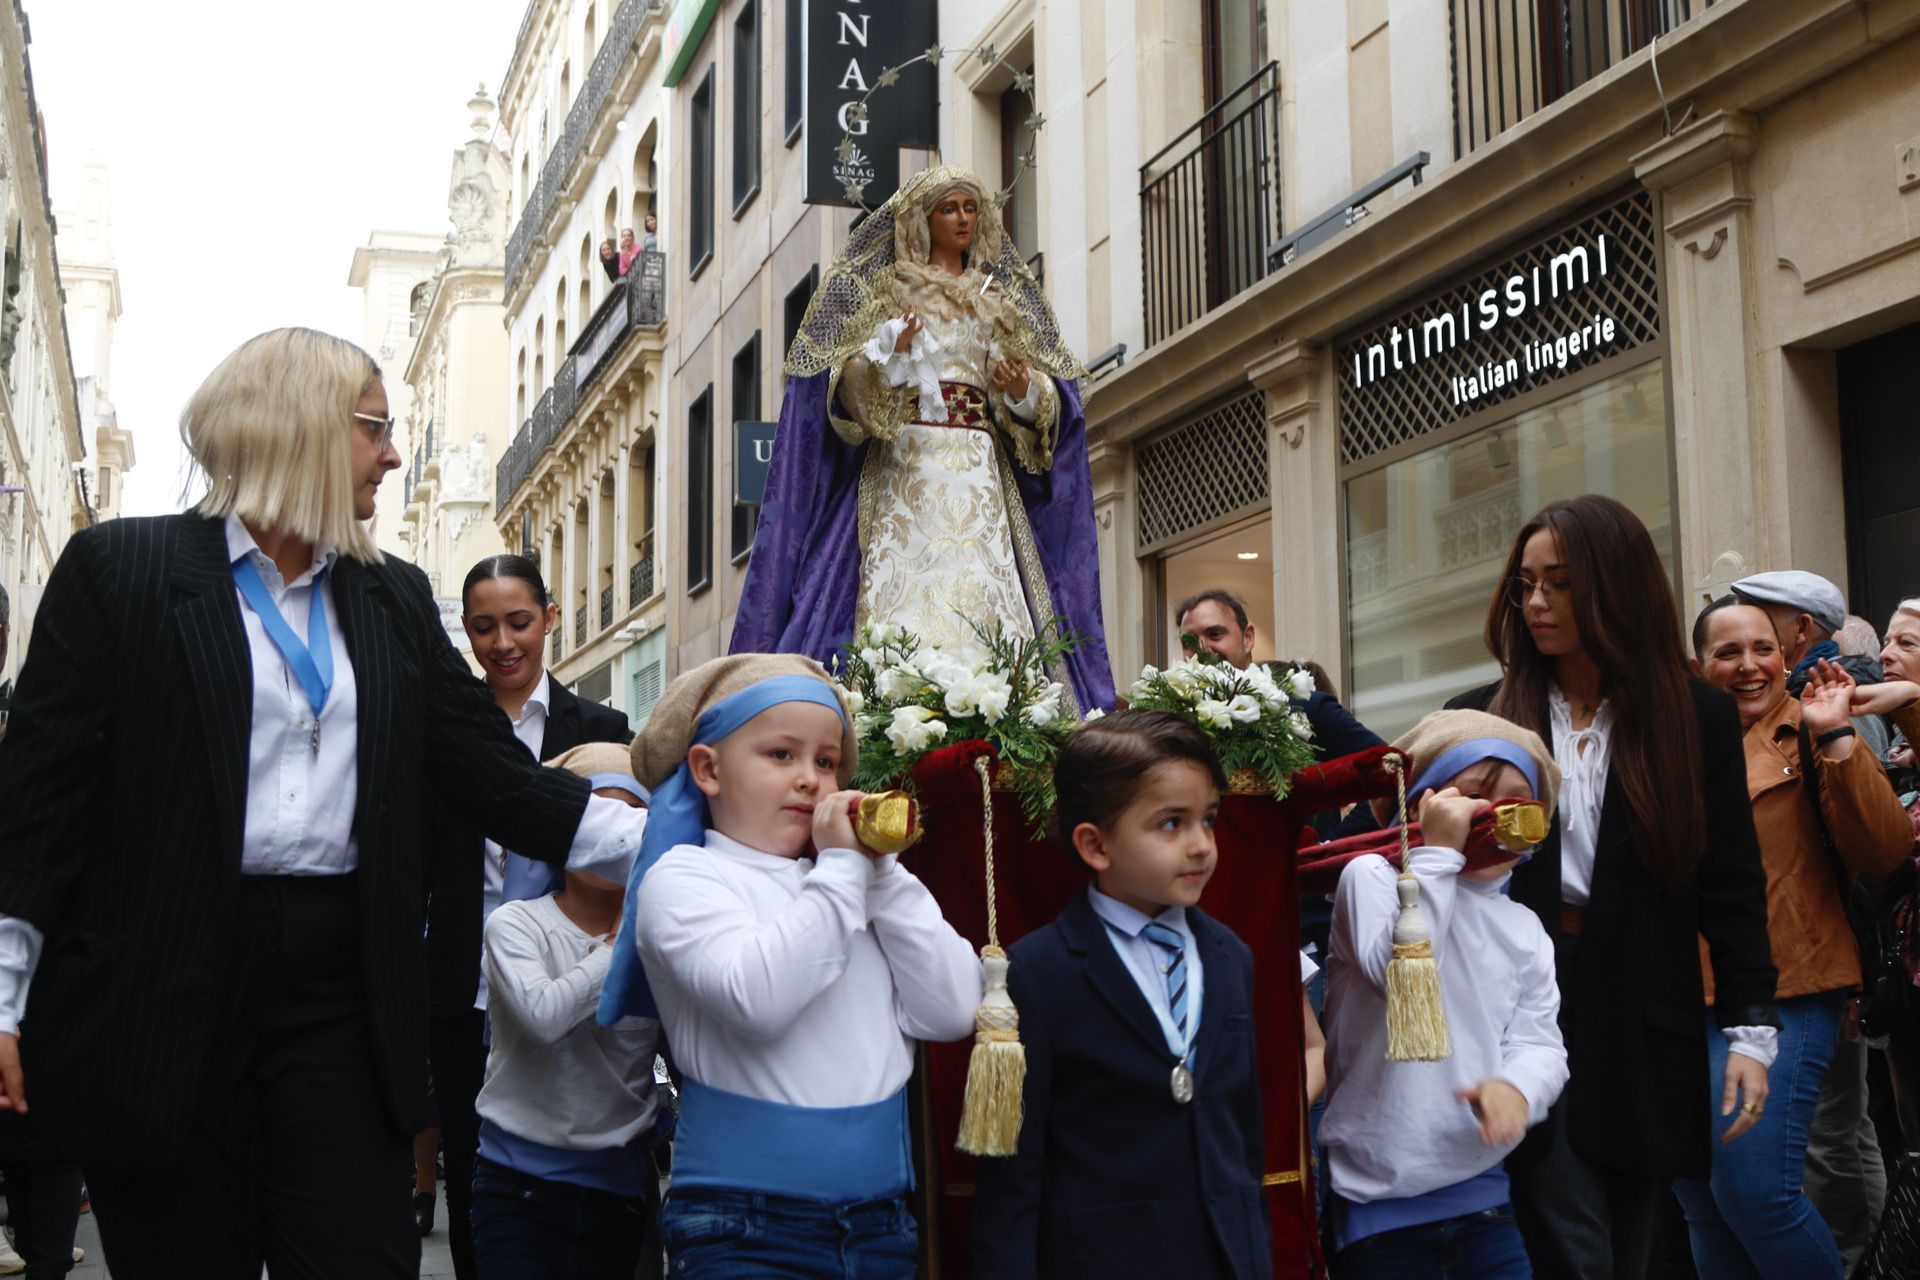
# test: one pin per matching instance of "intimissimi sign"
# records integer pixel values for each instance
(1582, 293)
(849, 45)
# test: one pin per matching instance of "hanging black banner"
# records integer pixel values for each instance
(848, 45)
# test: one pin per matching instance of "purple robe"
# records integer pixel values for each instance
(804, 577)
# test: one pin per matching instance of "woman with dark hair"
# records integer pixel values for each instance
(227, 738)
(1653, 849)
(507, 613)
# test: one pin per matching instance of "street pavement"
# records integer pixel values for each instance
(436, 1260)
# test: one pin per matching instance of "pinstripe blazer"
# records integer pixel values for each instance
(123, 782)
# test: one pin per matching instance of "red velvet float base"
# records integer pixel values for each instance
(1252, 892)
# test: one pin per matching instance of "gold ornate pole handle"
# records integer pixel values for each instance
(887, 821)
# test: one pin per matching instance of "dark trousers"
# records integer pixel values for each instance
(43, 1198)
(1474, 1246)
(459, 1052)
(528, 1228)
(294, 1161)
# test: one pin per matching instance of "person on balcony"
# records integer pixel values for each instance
(610, 258)
(628, 250)
(930, 467)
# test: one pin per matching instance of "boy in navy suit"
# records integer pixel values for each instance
(1140, 1152)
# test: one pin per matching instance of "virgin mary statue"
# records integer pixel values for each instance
(930, 467)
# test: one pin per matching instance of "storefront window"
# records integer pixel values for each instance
(1428, 534)
(1240, 561)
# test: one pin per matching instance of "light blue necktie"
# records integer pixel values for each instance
(1169, 940)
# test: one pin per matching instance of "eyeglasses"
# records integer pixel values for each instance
(382, 429)
(1520, 590)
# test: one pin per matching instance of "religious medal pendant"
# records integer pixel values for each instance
(1182, 1083)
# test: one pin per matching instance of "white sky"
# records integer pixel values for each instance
(253, 146)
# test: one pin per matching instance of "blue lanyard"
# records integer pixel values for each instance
(312, 662)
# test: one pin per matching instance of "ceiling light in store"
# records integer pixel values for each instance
(1246, 555)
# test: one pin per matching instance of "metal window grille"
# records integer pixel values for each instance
(1419, 398)
(1204, 470)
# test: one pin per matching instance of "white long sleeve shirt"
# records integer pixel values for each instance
(1397, 1129)
(530, 730)
(555, 1075)
(796, 982)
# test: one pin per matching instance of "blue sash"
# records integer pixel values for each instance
(312, 662)
(841, 1155)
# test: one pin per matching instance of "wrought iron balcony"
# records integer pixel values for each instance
(543, 201)
(1512, 57)
(640, 575)
(636, 301)
(1210, 206)
(606, 607)
(580, 625)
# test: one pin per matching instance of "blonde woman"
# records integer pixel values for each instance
(211, 855)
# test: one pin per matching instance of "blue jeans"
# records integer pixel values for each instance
(527, 1228)
(1752, 1218)
(1474, 1246)
(712, 1231)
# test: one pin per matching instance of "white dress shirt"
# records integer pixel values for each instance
(301, 801)
(1147, 962)
(1584, 756)
(555, 1075)
(796, 982)
(530, 727)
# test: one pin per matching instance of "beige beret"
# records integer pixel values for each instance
(662, 746)
(590, 758)
(1443, 730)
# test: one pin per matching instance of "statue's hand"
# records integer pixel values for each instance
(1010, 376)
(904, 343)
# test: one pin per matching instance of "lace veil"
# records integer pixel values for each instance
(864, 284)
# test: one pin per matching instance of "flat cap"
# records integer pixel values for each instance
(1800, 591)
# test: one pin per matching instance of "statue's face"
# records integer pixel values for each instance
(953, 221)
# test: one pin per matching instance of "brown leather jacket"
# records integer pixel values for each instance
(1813, 945)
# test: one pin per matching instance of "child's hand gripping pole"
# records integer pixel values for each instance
(1416, 1022)
(997, 1072)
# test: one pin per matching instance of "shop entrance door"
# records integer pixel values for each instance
(1880, 433)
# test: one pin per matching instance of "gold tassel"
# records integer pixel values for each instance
(997, 1072)
(1416, 1020)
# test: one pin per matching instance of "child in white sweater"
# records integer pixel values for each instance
(1415, 1149)
(565, 1186)
(793, 969)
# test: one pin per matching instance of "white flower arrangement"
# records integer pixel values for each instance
(908, 699)
(1252, 716)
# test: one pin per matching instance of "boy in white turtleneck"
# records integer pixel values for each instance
(793, 969)
(1415, 1149)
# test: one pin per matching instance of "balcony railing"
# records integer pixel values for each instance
(640, 575)
(636, 301)
(580, 625)
(605, 70)
(1210, 206)
(1512, 57)
(606, 607)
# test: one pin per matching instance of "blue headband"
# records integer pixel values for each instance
(1470, 753)
(619, 782)
(677, 815)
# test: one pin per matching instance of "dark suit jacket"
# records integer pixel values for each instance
(123, 781)
(1114, 1179)
(456, 874)
(1632, 1010)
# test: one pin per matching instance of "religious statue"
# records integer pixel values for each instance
(930, 467)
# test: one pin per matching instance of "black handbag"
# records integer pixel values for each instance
(1894, 1251)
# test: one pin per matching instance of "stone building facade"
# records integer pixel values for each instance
(43, 500)
(586, 123)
